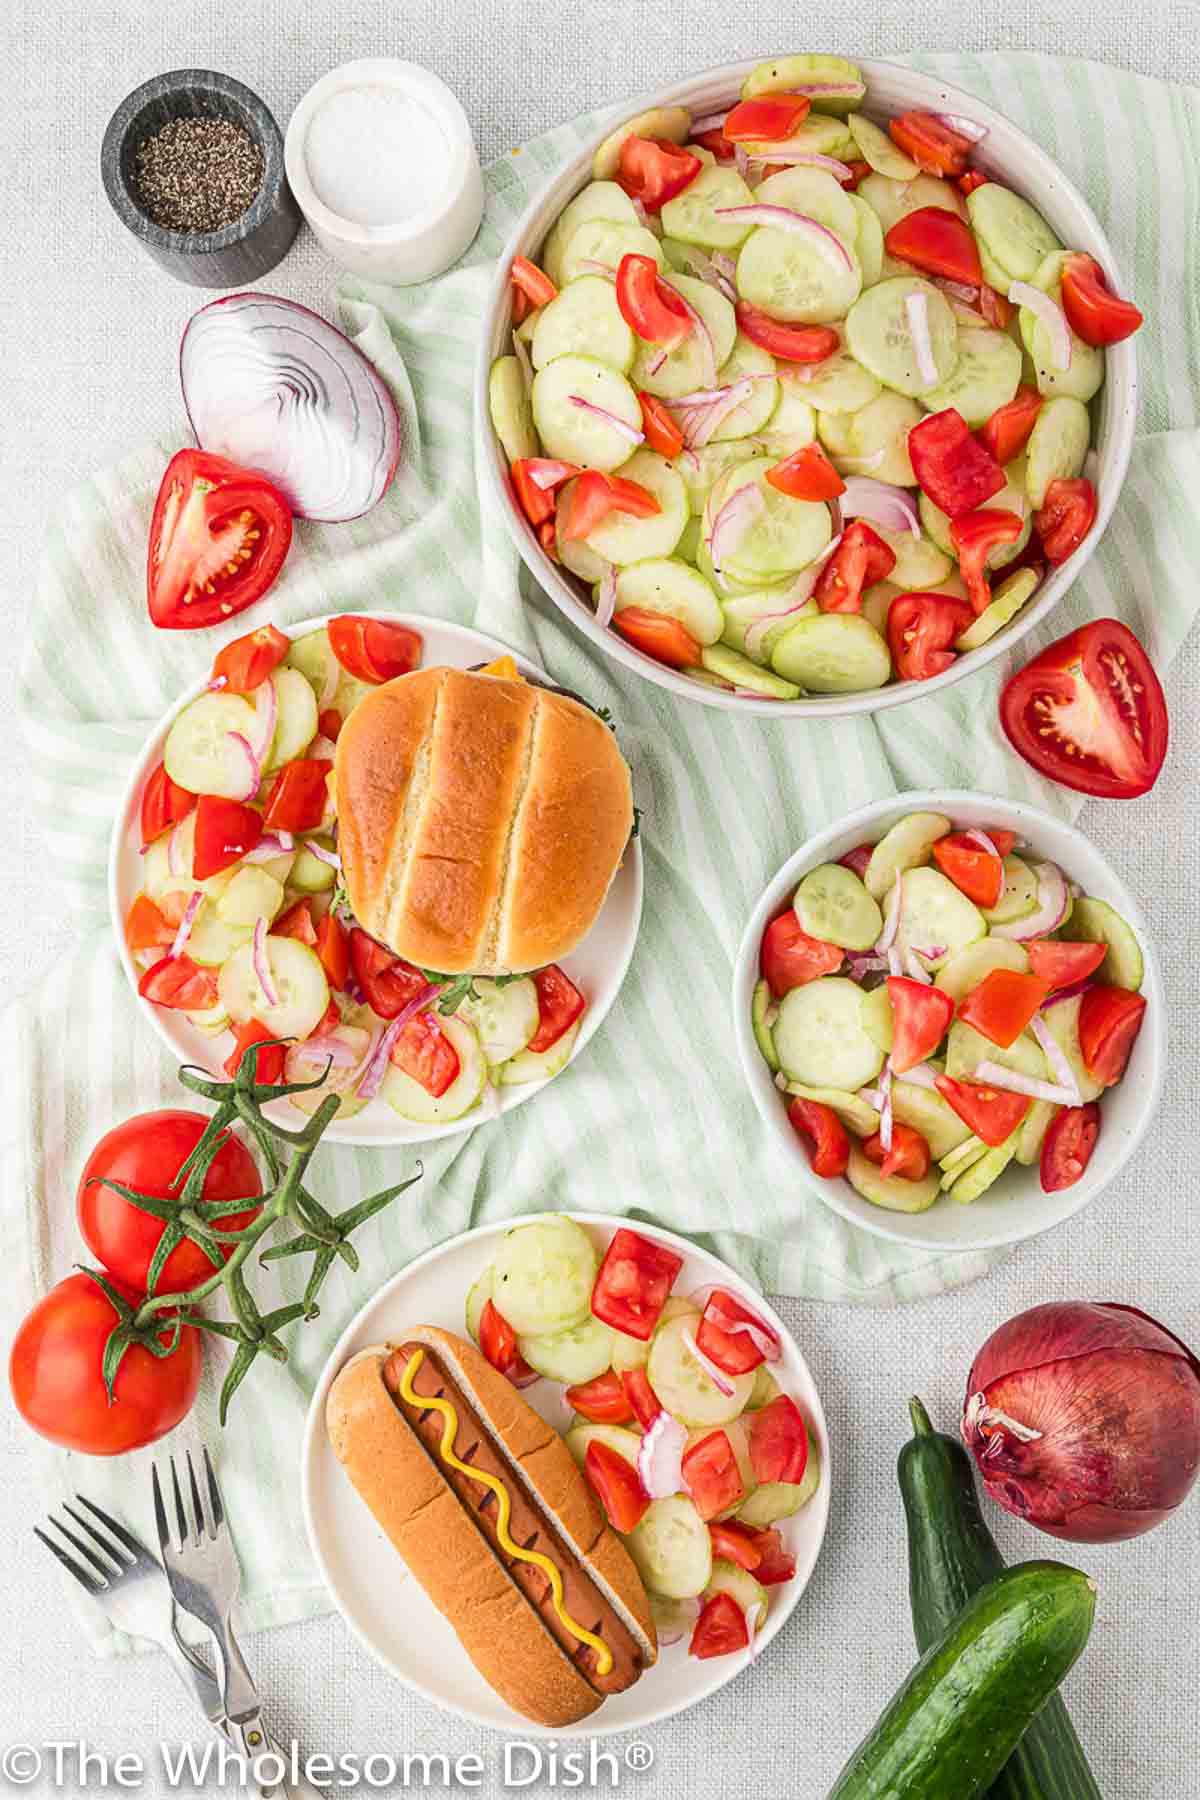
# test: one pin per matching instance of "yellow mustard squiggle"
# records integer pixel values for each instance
(604, 1658)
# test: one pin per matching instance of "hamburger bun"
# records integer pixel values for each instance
(480, 820)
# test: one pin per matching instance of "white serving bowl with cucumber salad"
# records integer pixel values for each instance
(1000, 1197)
(854, 675)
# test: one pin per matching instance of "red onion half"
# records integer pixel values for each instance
(1084, 1419)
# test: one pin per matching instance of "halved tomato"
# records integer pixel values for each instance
(777, 1439)
(1067, 1146)
(921, 1018)
(559, 1005)
(604, 1400)
(245, 664)
(218, 537)
(992, 1113)
(164, 803)
(921, 627)
(633, 1282)
(819, 1127)
(374, 650)
(789, 957)
(1003, 1004)
(1109, 1021)
(907, 1158)
(617, 1485)
(1061, 964)
(711, 1474)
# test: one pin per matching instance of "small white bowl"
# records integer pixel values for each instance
(1007, 155)
(1016, 1207)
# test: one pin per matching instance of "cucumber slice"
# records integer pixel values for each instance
(854, 1113)
(684, 1387)
(704, 468)
(676, 1306)
(689, 540)
(212, 940)
(569, 431)
(304, 1064)
(868, 241)
(625, 1443)
(753, 414)
(966, 1048)
(1063, 1023)
(671, 1549)
(295, 717)
(766, 1389)
(776, 1500)
(836, 432)
(309, 874)
(889, 1191)
(719, 659)
(599, 200)
(815, 136)
(820, 1038)
(876, 147)
(878, 334)
(783, 537)
(833, 653)
(301, 990)
(761, 1003)
(878, 1019)
(749, 1595)
(620, 538)
(919, 562)
(892, 201)
(782, 73)
(505, 1017)
(832, 903)
(412, 1101)
(877, 440)
(908, 845)
(980, 1176)
(313, 655)
(968, 1151)
(251, 895)
(350, 691)
(1008, 597)
(605, 241)
(1096, 922)
(934, 915)
(585, 320)
(690, 365)
(796, 280)
(986, 376)
(793, 424)
(535, 1065)
(743, 610)
(211, 1020)
(478, 1295)
(840, 384)
(579, 1353)
(963, 971)
(691, 217)
(1085, 375)
(628, 1352)
(198, 754)
(1014, 234)
(813, 193)
(1018, 896)
(508, 404)
(664, 584)
(926, 1112)
(1057, 445)
(670, 122)
(1031, 1132)
(543, 1276)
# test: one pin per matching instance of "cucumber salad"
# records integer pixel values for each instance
(940, 1004)
(801, 395)
(242, 923)
(692, 1448)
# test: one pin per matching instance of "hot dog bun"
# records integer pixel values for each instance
(501, 1610)
(480, 820)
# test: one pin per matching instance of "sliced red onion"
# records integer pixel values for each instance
(984, 842)
(1068, 993)
(275, 387)
(330, 858)
(253, 766)
(881, 502)
(598, 412)
(798, 159)
(784, 218)
(217, 683)
(827, 90)
(725, 265)
(915, 969)
(266, 713)
(885, 1111)
(1091, 467)
(930, 952)
(961, 290)
(375, 1067)
(1052, 902)
(891, 918)
(606, 599)
(861, 965)
(1056, 1056)
(717, 1376)
(916, 311)
(599, 268)
(176, 861)
(684, 1614)
(757, 1330)
(895, 961)
(704, 336)
(732, 523)
(710, 122)
(329, 687)
(741, 161)
(872, 1096)
(262, 964)
(755, 1613)
(921, 1075)
(185, 924)
(660, 1456)
(1050, 314)
(522, 356)
(657, 361)
(1013, 1082)
(794, 601)
(965, 127)
(267, 848)
(705, 269)
(327, 1049)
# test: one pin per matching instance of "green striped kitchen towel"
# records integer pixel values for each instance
(654, 1119)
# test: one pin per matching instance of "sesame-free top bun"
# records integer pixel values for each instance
(480, 820)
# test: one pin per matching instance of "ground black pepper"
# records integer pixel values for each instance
(197, 174)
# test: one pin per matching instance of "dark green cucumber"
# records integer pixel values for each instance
(951, 1554)
(961, 1713)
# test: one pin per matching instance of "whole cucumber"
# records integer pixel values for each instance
(961, 1712)
(951, 1554)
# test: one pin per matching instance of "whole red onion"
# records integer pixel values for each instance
(1084, 1419)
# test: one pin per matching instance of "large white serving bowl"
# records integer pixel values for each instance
(1015, 1208)
(597, 966)
(1005, 154)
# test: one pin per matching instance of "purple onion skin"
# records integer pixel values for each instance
(1116, 1397)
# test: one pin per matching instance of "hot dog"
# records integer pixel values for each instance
(486, 1506)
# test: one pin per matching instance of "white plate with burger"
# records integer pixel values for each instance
(565, 1475)
(427, 882)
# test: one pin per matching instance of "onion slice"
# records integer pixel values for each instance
(272, 845)
(660, 1456)
(1053, 898)
(522, 356)
(717, 1376)
(375, 1066)
(253, 765)
(606, 598)
(920, 1075)
(262, 964)
(995, 1075)
(1050, 314)
(891, 919)
(799, 159)
(916, 311)
(732, 523)
(784, 218)
(756, 1329)
(1056, 1056)
(915, 969)
(266, 714)
(185, 924)
(327, 1049)
(881, 502)
(275, 387)
(330, 858)
(794, 601)
(1067, 993)
(599, 412)
(984, 842)
(965, 127)
(885, 1111)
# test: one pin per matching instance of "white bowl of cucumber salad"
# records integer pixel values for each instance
(564, 384)
(1009, 1054)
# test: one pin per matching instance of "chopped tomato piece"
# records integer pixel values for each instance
(933, 146)
(711, 1475)
(921, 1018)
(1003, 1004)
(651, 309)
(388, 982)
(996, 308)
(734, 1351)
(790, 343)
(498, 1342)
(715, 140)
(1062, 964)
(225, 830)
(859, 170)
(661, 431)
(603, 1401)
(973, 870)
(560, 1003)
(1067, 1146)
(333, 948)
(857, 859)
(969, 181)
(617, 1485)
(860, 560)
(424, 1052)
(653, 170)
(992, 1113)
(177, 982)
(789, 957)
(299, 795)
(268, 1063)
(777, 1438)
(297, 923)
(908, 1158)
(531, 281)
(920, 630)
(374, 650)
(1003, 840)
(218, 538)
(1094, 312)
(145, 926)
(735, 1543)
(776, 1563)
(547, 537)
(643, 1401)
(769, 119)
(1065, 517)
(1109, 1021)
(951, 467)
(807, 474)
(245, 664)
(1006, 433)
(937, 242)
(164, 803)
(720, 1630)
(657, 635)
(535, 479)
(330, 723)
(633, 1282)
(829, 1147)
(587, 501)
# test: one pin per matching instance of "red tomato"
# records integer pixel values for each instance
(661, 431)
(951, 467)
(857, 859)
(777, 1438)
(643, 1401)
(218, 538)
(1090, 712)
(908, 1157)
(388, 982)
(734, 1351)
(1061, 964)
(829, 1152)
(1109, 1021)
(768, 119)
(633, 1282)
(177, 982)
(330, 723)
(225, 830)
(164, 803)
(559, 1005)
(996, 308)
(374, 650)
(1094, 312)
(145, 926)
(920, 630)
(735, 1543)
(790, 343)
(992, 1113)
(297, 923)
(1065, 517)
(789, 958)
(721, 1628)
(1067, 1146)
(938, 243)
(974, 536)
(498, 1342)
(711, 1475)
(617, 1484)
(535, 479)
(973, 870)
(245, 664)
(333, 948)
(651, 309)
(968, 182)
(921, 1018)
(859, 170)
(529, 280)
(716, 141)
(1006, 433)
(934, 147)
(657, 635)
(56, 1375)
(146, 1153)
(1003, 1004)
(424, 1052)
(653, 171)
(807, 474)
(585, 502)
(298, 795)
(548, 539)
(268, 1064)
(776, 1563)
(860, 560)
(603, 1401)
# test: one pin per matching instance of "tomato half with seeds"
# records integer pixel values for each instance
(218, 537)
(921, 628)
(374, 650)
(860, 560)
(1090, 712)
(1068, 1145)
(1109, 1021)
